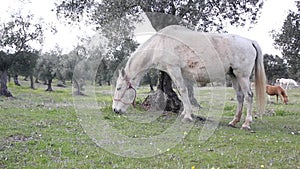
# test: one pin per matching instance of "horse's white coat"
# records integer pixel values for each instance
(286, 82)
(203, 57)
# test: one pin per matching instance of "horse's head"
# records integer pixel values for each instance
(124, 94)
(285, 99)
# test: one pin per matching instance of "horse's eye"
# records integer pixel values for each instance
(119, 88)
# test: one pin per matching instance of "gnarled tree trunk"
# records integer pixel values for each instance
(78, 87)
(164, 98)
(3, 81)
(31, 82)
(49, 86)
(16, 80)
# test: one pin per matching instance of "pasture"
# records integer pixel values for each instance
(41, 129)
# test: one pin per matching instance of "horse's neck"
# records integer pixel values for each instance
(136, 67)
(283, 93)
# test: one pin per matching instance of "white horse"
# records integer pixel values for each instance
(186, 54)
(286, 82)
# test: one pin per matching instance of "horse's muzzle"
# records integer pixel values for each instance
(118, 111)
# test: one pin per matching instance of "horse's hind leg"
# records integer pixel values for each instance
(240, 99)
(189, 84)
(245, 86)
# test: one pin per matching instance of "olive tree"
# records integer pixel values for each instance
(16, 37)
(288, 41)
(113, 17)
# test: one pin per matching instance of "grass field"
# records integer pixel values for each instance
(41, 129)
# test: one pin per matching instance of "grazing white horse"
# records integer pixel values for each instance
(186, 54)
(286, 82)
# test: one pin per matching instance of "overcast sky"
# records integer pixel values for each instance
(273, 14)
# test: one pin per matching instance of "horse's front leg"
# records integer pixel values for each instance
(176, 76)
(287, 85)
(269, 99)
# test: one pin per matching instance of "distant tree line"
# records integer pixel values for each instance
(17, 57)
(288, 41)
(275, 68)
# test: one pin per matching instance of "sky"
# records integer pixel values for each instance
(67, 35)
(273, 14)
(272, 17)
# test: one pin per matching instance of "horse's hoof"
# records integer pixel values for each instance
(244, 127)
(195, 117)
(231, 125)
(187, 120)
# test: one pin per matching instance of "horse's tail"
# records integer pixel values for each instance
(260, 79)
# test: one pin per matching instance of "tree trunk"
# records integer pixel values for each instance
(3, 80)
(77, 86)
(49, 84)
(31, 82)
(172, 102)
(16, 80)
(148, 80)
(151, 87)
(37, 80)
(99, 83)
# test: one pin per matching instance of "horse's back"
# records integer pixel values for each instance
(274, 89)
(227, 47)
(195, 50)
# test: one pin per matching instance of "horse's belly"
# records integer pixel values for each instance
(201, 65)
(201, 74)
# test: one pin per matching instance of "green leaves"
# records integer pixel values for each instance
(18, 33)
(5, 61)
(275, 67)
(208, 15)
(288, 40)
(47, 65)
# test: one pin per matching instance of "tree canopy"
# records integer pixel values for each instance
(205, 15)
(275, 68)
(115, 19)
(18, 33)
(16, 38)
(288, 41)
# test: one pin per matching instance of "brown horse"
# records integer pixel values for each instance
(277, 90)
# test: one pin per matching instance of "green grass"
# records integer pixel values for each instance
(41, 129)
